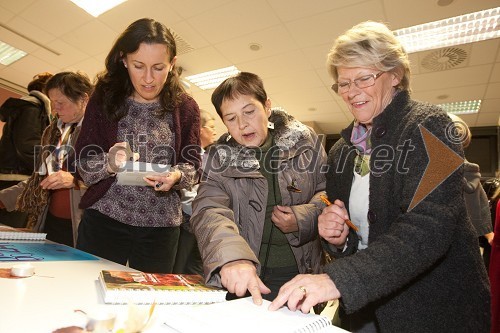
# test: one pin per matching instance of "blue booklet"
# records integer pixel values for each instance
(40, 251)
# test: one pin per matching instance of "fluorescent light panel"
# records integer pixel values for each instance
(97, 7)
(463, 29)
(466, 107)
(9, 54)
(212, 79)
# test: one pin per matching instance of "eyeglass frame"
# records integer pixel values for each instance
(335, 87)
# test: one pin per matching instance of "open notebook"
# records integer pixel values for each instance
(242, 315)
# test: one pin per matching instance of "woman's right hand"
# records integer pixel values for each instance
(118, 154)
(332, 226)
(241, 275)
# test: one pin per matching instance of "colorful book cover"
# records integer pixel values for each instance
(138, 287)
(40, 251)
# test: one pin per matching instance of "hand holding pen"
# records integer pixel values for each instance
(347, 221)
(332, 223)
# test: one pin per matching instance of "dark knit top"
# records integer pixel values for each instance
(99, 134)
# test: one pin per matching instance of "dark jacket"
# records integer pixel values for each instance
(422, 270)
(25, 119)
(99, 134)
(476, 200)
(229, 210)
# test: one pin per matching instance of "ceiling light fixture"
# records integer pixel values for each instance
(466, 107)
(9, 54)
(212, 79)
(97, 7)
(463, 29)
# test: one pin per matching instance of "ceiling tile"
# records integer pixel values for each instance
(452, 78)
(17, 6)
(195, 62)
(68, 54)
(84, 38)
(119, 18)
(484, 52)
(495, 73)
(276, 65)
(490, 105)
(184, 30)
(273, 41)
(29, 30)
(31, 65)
(493, 91)
(465, 93)
(241, 16)
(487, 119)
(292, 10)
(17, 41)
(65, 17)
(5, 14)
(317, 56)
(295, 81)
(325, 27)
(190, 8)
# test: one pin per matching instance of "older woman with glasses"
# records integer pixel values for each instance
(411, 261)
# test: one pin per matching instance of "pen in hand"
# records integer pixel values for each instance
(347, 221)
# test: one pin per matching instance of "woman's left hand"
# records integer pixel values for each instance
(57, 180)
(165, 181)
(304, 291)
(284, 218)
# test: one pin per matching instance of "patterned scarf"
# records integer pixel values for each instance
(360, 138)
(33, 199)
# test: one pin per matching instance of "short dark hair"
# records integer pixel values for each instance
(243, 83)
(73, 85)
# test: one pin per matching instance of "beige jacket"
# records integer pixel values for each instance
(229, 210)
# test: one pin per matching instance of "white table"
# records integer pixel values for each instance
(48, 300)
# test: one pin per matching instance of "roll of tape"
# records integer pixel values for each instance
(22, 270)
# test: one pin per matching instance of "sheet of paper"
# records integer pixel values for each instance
(132, 173)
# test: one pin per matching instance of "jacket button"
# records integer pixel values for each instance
(380, 131)
(372, 216)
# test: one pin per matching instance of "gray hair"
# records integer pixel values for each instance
(370, 44)
(205, 117)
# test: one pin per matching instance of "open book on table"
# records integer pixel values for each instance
(242, 315)
(122, 287)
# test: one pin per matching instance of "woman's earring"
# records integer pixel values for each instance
(228, 137)
(270, 125)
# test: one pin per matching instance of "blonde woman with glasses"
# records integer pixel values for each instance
(412, 266)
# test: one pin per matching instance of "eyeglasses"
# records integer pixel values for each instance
(361, 82)
(209, 127)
